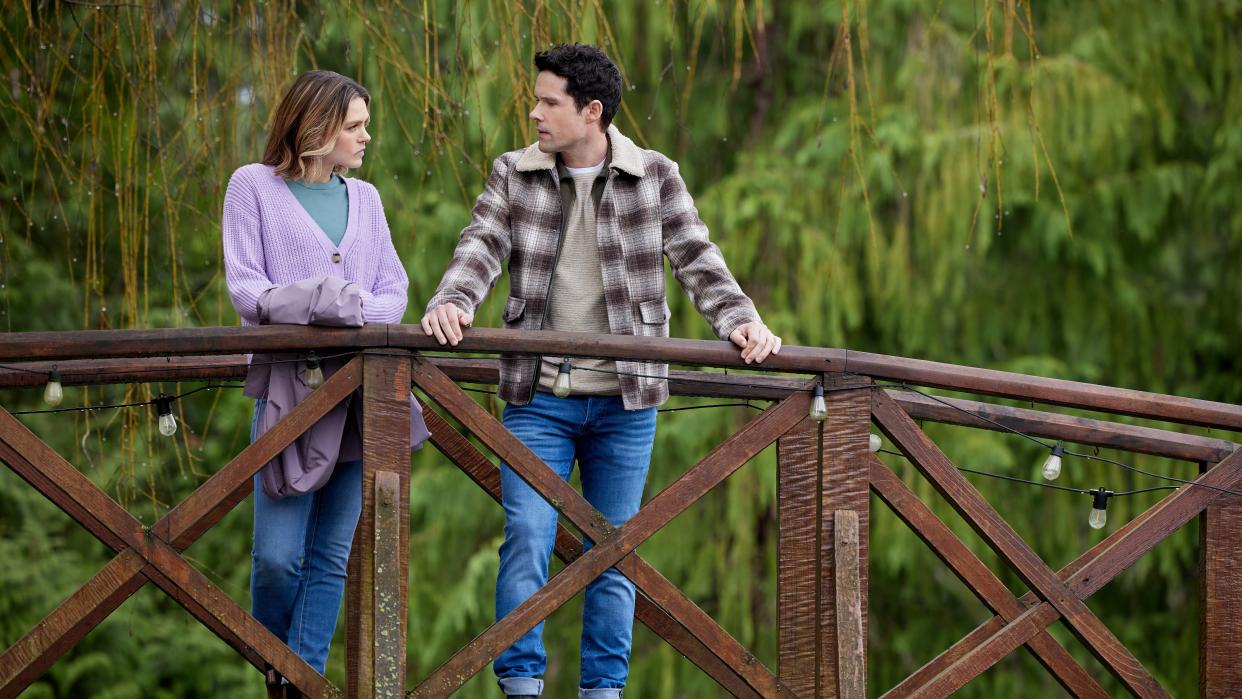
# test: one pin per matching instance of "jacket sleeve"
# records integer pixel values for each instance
(484, 246)
(697, 262)
(330, 301)
(244, 271)
(385, 301)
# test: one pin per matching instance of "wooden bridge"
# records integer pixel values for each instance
(826, 476)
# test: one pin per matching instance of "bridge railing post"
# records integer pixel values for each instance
(1220, 625)
(378, 568)
(822, 473)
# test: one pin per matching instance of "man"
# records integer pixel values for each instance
(584, 218)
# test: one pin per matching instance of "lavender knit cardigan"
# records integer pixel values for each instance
(270, 241)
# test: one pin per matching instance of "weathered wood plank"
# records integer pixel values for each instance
(1090, 571)
(1005, 641)
(218, 612)
(851, 634)
(64, 485)
(984, 632)
(988, 382)
(844, 485)
(376, 664)
(160, 342)
(1069, 428)
(799, 468)
(1220, 614)
(389, 649)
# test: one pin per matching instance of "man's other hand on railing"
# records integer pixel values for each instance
(448, 323)
(755, 339)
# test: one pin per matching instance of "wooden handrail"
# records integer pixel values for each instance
(106, 344)
(953, 411)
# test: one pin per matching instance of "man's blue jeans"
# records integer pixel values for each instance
(613, 450)
(301, 548)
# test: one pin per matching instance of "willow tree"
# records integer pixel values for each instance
(1047, 189)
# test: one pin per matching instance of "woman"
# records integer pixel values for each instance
(289, 220)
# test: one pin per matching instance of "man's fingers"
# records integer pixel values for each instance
(433, 319)
(738, 337)
(753, 343)
(448, 320)
(769, 344)
(769, 341)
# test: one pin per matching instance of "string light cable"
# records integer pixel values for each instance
(1051, 464)
(137, 404)
(1100, 496)
(1056, 450)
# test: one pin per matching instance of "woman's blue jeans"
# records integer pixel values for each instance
(301, 548)
(613, 450)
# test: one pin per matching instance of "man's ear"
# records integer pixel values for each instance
(594, 111)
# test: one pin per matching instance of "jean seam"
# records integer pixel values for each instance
(300, 599)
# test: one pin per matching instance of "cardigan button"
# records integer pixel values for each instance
(336, 258)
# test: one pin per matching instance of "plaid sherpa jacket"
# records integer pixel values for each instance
(645, 213)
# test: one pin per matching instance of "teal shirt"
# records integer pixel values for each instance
(327, 204)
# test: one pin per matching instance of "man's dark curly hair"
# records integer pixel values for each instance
(590, 73)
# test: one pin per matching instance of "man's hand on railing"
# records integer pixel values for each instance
(447, 322)
(756, 341)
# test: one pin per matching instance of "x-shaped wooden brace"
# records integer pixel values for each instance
(155, 554)
(670, 609)
(1054, 596)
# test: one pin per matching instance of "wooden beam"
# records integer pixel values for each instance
(978, 578)
(69, 489)
(35, 652)
(1220, 588)
(709, 472)
(1005, 541)
(799, 462)
(220, 493)
(851, 630)
(377, 593)
(953, 411)
(984, 632)
(568, 548)
(94, 344)
(570, 503)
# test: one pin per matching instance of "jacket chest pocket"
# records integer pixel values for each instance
(652, 318)
(515, 308)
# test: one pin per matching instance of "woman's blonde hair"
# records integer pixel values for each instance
(307, 120)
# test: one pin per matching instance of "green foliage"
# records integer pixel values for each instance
(843, 182)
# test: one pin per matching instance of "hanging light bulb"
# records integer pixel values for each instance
(53, 394)
(314, 373)
(561, 388)
(819, 409)
(168, 423)
(1052, 464)
(1099, 508)
(874, 443)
